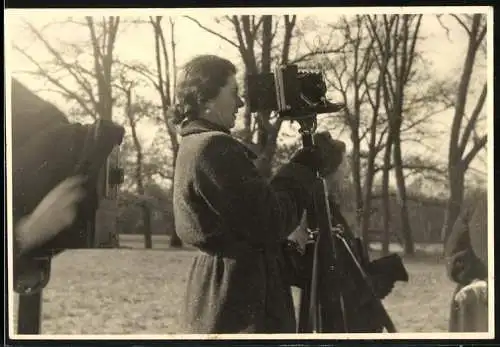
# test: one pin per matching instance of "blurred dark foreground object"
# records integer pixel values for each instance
(390, 266)
(47, 149)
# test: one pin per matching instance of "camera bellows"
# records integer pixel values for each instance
(292, 93)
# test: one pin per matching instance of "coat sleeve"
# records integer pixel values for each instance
(462, 264)
(262, 211)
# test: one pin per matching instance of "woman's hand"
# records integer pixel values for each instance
(55, 212)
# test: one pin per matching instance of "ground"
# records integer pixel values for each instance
(133, 291)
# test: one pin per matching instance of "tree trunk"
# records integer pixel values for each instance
(266, 136)
(247, 115)
(103, 63)
(458, 159)
(146, 219)
(406, 231)
(356, 173)
(145, 212)
(163, 86)
(139, 179)
(367, 202)
(385, 198)
(265, 160)
(403, 62)
(454, 203)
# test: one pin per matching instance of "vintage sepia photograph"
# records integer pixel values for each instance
(298, 173)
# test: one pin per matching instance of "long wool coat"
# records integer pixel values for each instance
(238, 221)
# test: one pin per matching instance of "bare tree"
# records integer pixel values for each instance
(465, 142)
(163, 79)
(165, 76)
(382, 57)
(132, 119)
(366, 74)
(103, 35)
(402, 71)
(403, 32)
(377, 75)
(348, 73)
(165, 85)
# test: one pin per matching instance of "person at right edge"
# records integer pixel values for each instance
(467, 265)
(236, 218)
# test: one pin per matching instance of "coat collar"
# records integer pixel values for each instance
(198, 126)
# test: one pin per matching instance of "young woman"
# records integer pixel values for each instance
(236, 218)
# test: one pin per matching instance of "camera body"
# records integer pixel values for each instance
(293, 94)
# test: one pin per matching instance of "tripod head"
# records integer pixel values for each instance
(308, 126)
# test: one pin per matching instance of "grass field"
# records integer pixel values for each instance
(133, 291)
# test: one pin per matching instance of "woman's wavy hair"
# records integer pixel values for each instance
(200, 80)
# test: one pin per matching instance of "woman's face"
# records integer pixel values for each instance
(223, 108)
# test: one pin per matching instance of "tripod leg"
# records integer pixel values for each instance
(29, 314)
(314, 310)
(388, 324)
(305, 294)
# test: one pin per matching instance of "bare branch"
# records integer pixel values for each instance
(43, 72)
(275, 30)
(447, 30)
(141, 69)
(174, 58)
(81, 81)
(461, 22)
(289, 27)
(473, 120)
(414, 167)
(311, 54)
(212, 31)
(478, 145)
